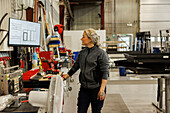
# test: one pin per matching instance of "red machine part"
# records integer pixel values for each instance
(52, 67)
(27, 75)
(62, 50)
(46, 55)
(22, 63)
(58, 28)
(4, 58)
(4, 63)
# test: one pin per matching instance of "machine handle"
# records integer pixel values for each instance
(24, 101)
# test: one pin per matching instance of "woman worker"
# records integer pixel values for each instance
(94, 70)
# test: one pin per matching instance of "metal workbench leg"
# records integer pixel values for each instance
(167, 94)
(160, 92)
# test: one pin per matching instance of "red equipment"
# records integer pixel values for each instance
(46, 55)
(58, 28)
(29, 74)
(52, 68)
(49, 66)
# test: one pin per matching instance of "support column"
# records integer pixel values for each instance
(52, 10)
(29, 14)
(160, 92)
(61, 17)
(29, 17)
(68, 24)
(115, 18)
(138, 24)
(102, 16)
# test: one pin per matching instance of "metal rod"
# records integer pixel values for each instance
(161, 39)
(115, 17)
(167, 94)
(157, 108)
(160, 92)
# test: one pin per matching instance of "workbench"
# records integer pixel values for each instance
(40, 83)
(26, 107)
(160, 78)
(156, 65)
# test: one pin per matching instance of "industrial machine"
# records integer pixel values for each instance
(165, 46)
(155, 65)
(50, 101)
(11, 82)
(146, 63)
(143, 43)
(10, 79)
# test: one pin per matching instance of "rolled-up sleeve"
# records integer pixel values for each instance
(75, 67)
(104, 65)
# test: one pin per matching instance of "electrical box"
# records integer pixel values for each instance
(11, 82)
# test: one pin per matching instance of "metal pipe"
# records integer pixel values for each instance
(52, 10)
(115, 18)
(61, 17)
(161, 40)
(36, 11)
(138, 5)
(160, 93)
(157, 108)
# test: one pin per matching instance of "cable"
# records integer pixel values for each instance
(3, 18)
(21, 12)
(4, 38)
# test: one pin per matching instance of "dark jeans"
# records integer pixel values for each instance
(87, 96)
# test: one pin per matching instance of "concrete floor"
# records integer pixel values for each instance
(136, 93)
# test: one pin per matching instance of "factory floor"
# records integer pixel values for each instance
(124, 94)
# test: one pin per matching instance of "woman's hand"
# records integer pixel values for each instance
(101, 95)
(65, 76)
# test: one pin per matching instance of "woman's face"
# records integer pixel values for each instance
(85, 40)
